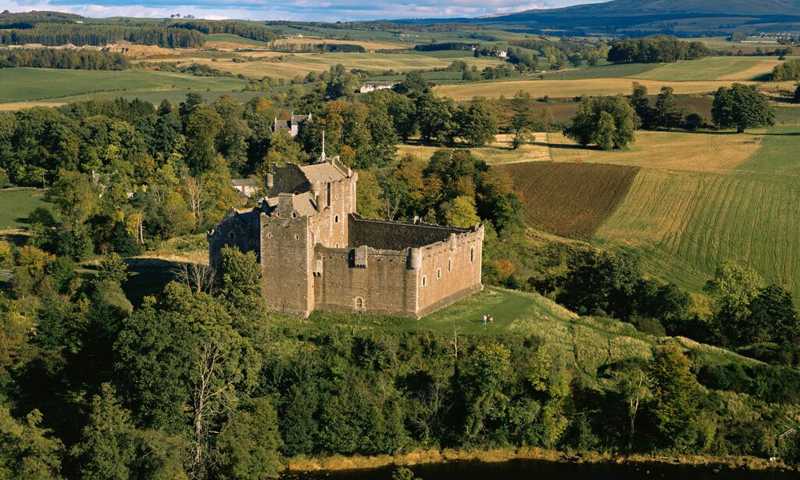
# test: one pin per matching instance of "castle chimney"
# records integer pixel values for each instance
(285, 205)
(414, 259)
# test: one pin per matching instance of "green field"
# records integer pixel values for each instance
(602, 71)
(712, 68)
(17, 204)
(687, 223)
(31, 84)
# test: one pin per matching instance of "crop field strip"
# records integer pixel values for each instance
(584, 87)
(291, 65)
(570, 199)
(712, 68)
(702, 219)
(724, 197)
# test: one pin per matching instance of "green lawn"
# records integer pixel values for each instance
(27, 84)
(17, 204)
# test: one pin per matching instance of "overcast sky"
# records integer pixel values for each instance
(326, 10)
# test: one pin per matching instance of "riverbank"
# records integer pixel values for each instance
(429, 457)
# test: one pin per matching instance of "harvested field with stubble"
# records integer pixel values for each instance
(569, 199)
(697, 152)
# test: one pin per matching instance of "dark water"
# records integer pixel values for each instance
(534, 470)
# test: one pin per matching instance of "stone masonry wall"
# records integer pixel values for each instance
(287, 282)
(449, 270)
(383, 285)
(240, 230)
(330, 226)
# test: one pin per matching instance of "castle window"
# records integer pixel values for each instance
(336, 219)
(296, 236)
(359, 304)
(424, 280)
(328, 194)
(472, 255)
(449, 264)
(439, 274)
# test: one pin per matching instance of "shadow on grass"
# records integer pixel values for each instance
(149, 276)
(564, 146)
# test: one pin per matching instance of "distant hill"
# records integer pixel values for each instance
(680, 17)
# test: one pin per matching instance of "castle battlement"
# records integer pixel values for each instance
(316, 253)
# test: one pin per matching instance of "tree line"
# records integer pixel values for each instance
(611, 122)
(655, 50)
(84, 59)
(102, 34)
(251, 30)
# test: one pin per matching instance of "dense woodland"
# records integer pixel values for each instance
(51, 28)
(655, 50)
(83, 59)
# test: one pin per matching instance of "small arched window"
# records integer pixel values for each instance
(439, 274)
(449, 264)
(424, 280)
(472, 255)
(336, 219)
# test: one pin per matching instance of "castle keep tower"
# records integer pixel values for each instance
(316, 253)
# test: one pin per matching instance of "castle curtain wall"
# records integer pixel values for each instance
(449, 271)
(395, 236)
(379, 282)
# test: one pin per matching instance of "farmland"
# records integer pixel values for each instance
(571, 200)
(291, 65)
(687, 224)
(706, 152)
(581, 87)
(498, 152)
(697, 200)
(31, 84)
(713, 68)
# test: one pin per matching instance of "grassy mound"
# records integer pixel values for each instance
(585, 343)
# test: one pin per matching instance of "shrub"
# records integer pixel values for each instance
(649, 325)
(693, 121)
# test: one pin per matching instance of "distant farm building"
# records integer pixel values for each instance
(374, 87)
(291, 125)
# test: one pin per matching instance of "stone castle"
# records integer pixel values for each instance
(316, 253)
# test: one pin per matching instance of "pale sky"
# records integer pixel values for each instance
(325, 10)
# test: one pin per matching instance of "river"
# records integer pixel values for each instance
(535, 469)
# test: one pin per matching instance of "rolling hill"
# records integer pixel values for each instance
(660, 16)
